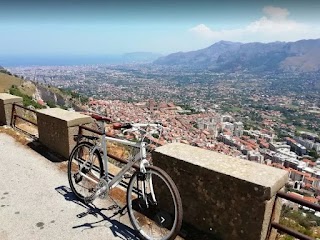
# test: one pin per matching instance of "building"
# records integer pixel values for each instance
(238, 129)
(274, 146)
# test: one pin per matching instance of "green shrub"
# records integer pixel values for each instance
(27, 100)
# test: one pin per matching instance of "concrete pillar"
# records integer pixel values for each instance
(57, 127)
(6, 101)
(221, 195)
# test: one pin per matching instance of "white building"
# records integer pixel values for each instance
(238, 129)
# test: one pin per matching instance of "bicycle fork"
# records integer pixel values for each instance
(147, 178)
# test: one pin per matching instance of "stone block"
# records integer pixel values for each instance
(6, 101)
(222, 195)
(57, 127)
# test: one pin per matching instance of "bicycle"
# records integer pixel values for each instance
(153, 200)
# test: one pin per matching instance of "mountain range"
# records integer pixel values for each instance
(299, 56)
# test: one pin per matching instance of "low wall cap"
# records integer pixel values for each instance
(256, 173)
(72, 118)
(8, 98)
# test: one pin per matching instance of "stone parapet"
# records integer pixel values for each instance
(56, 129)
(6, 101)
(222, 195)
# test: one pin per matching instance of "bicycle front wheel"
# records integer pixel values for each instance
(84, 170)
(154, 204)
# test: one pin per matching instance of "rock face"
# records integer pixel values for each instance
(50, 96)
(302, 56)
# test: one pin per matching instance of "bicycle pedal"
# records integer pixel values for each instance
(127, 176)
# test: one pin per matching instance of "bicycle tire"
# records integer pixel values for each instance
(163, 220)
(81, 186)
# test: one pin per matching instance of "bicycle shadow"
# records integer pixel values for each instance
(118, 229)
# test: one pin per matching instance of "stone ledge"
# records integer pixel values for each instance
(71, 118)
(6, 98)
(57, 127)
(267, 179)
(222, 195)
(6, 102)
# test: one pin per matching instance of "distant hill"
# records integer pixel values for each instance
(7, 80)
(140, 57)
(32, 92)
(300, 56)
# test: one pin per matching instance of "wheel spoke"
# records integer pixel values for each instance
(153, 220)
(86, 164)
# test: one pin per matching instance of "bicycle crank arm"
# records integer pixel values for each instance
(96, 194)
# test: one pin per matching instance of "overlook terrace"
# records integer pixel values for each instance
(250, 213)
(182, 153)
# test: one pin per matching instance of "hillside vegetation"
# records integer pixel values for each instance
(6, 81)
(39, 95)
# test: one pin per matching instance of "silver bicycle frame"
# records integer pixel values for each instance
(141, 155)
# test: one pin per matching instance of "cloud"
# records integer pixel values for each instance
(273, 26)
(275, 12)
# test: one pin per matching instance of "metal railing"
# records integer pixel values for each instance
(290, 231)
(15, 115)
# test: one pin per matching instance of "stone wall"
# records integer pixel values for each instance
(225, 196)
(6, 101)
(57, 128)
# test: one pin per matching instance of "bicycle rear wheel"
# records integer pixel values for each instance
(85, 168)
(155, 214)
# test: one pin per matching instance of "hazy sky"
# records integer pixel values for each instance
(115, 27)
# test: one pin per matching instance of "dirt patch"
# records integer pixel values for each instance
(118, 194)
(6, 81)
(28, 127)
(63, 167)
(19, 137)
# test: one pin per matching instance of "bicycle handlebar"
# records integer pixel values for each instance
(135, 125)
(122, 126)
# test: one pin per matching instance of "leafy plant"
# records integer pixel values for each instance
(27, 100)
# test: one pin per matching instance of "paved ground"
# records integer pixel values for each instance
(36, 202)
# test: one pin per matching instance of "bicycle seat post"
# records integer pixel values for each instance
(104, 150)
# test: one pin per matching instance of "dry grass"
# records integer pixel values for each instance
(27, 88)
(118, 194)
(27, 127)
(6, 81)
(21, 138)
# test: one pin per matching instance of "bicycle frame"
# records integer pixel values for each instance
(140, 156)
